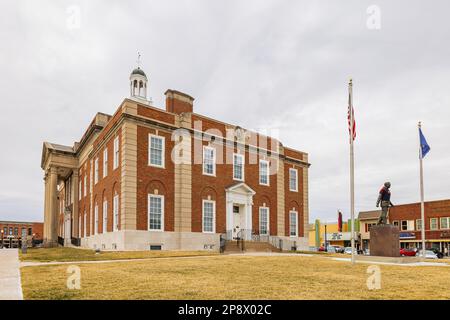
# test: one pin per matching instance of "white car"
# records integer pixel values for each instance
(348, 250)
(428, 254)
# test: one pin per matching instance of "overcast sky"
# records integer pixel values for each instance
(281, 66)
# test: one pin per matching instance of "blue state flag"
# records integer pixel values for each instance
(425, 148)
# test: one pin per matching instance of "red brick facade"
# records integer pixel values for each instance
(412, 212)
(161, 181)
(14, 229)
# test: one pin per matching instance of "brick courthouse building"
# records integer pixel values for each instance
(147, 178)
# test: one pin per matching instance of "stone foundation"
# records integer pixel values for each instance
(142, 240)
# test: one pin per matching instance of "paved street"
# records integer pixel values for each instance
(10, 287)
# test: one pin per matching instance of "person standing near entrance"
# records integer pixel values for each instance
(384, 198)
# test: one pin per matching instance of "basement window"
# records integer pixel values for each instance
(155, 247)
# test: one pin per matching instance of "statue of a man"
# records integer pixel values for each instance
(385, 199)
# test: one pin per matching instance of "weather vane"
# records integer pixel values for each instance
(139, 60)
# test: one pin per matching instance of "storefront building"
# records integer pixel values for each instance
(407, 218)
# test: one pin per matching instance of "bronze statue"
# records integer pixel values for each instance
(385, 198)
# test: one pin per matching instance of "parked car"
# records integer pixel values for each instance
(339, 249)
(439, 254)
(330, 249)
(428, 254)
(348, 250)
(407, 252)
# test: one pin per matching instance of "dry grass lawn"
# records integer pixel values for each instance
(236, 277)
(62, 254)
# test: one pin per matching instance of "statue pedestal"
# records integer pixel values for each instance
(384, 241)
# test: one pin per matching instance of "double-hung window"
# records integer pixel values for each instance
(433, 224)
(84, 225)
(155, 212)
(293, 231)
(238, 167)
(209, 161)
(293, 179)
(156, 151)
(105, 162)
(105, 216)
(96, 171)
(209, 216)
(445, 223)
(85, 185)
(79, 226)
(263, 220)
(79, 190)
(264, 172)
(116, 153)
(418, 224)
(96, 219)
(116, 212)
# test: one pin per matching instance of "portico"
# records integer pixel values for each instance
(239, 198)
(59, 163)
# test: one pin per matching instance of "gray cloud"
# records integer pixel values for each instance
(261, 64)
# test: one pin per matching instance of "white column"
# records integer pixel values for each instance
(75, 198)
(248, 213)
(229, 222)
(67, 229)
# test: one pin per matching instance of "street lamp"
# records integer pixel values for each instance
(326, 246)
(2, 231)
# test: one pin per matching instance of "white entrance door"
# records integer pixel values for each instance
(236, 221)
(239, 210)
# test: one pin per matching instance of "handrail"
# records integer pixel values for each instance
(253, 235)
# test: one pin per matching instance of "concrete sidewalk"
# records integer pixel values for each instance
(10, 286)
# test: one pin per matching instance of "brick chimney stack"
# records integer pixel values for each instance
(178, 102)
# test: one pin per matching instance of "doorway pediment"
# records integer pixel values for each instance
(241, 188)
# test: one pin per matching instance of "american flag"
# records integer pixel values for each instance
(351, 128)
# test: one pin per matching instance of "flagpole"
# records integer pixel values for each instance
(422, 204)
(352, 176)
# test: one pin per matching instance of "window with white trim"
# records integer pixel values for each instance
(84, 224)
(434, 224)
(293, 231)
(105, 216)
(105, 162)
(293, 179)
(116, 153)
(79, 226)
(96, 171)
(238, 166)
(407, 225)
(264, 220)
(96, 219)
(91, 175)
(418, 224)
(209, 216)
(85, 185)
(155, 212)
(116, 212)
(79, 190)
(209, 161)
(264, 172)
(445, 223)
(156, 151)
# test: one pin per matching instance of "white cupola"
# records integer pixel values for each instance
(139, 83)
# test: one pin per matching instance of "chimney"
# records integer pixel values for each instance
(178, 102)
